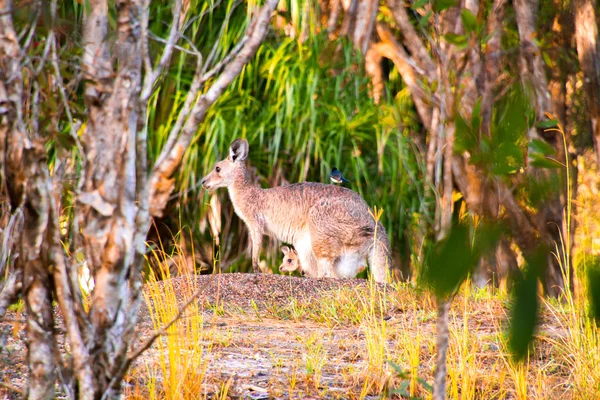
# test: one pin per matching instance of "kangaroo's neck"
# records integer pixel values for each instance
(240, 191)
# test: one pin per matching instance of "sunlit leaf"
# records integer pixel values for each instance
(593, 276)
(469, 20)
(452, 259)
(441, 5)
(547, 124)
(541, 147)
(425, 19)
(458, 40)
(419, 4)
(544, 162)
(547, 60)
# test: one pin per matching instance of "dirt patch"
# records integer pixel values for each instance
(273, 336)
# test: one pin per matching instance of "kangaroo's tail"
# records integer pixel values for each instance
(380, 255)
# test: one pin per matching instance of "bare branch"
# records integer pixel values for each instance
(588, 52)
(11, 233)
(170, 158)
(390, 48)
(81, 357)
(202, 14)
(192, 52)
(153, 74)
(13, 388)
(217, 68)
(163, 331)
(36, 5)
(213, 51)
(411, 38)
(144, 22)
(10, 290)
(184, 113)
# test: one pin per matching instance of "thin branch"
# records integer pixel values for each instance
(217, 68)
(144, 22)
(184, 113)
(224, 25)
(202, 14)
(170, 158)
(153, 74)
(13, 388)
(10, 290)
(42, 62)
(179, 194)
(32, 29)
(163, 331)
(386, 36)
(439, 375)
(411, 38)
(193, 52)
(12, 232)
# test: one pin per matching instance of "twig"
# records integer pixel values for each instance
(13, 388)
(193, 52)
(153, 74)
(179, 194)
(144, 38)
(213, 51)
(183, 114)
(202, 14)
(36, 17)
(234, 52)
(10, 291)
(163, 331)
(9, 233)
(170, 157)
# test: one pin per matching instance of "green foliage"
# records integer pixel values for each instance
(452, 259)
(524, 310)
(403, 388)
(502, 152)
(304, 108)
(593, 277)
(469, 20)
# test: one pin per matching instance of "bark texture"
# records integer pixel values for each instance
(588, 51)
(113, 195)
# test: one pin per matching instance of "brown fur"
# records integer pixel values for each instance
(334, 219)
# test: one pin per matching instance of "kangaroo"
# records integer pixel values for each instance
(291, 263)
(330, 227)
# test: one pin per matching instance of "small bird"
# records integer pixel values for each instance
(336, 176)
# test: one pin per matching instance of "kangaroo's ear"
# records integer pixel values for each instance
(285, 249)
(238, 151)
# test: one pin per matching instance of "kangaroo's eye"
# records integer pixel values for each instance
(289, 260)
(218, 169)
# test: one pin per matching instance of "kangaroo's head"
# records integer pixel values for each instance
(290, 260)
(230, 169)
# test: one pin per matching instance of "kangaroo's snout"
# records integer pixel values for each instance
(205, 182)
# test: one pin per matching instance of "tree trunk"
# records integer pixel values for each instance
(550, 213)
(588, 51)
(108, 211)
